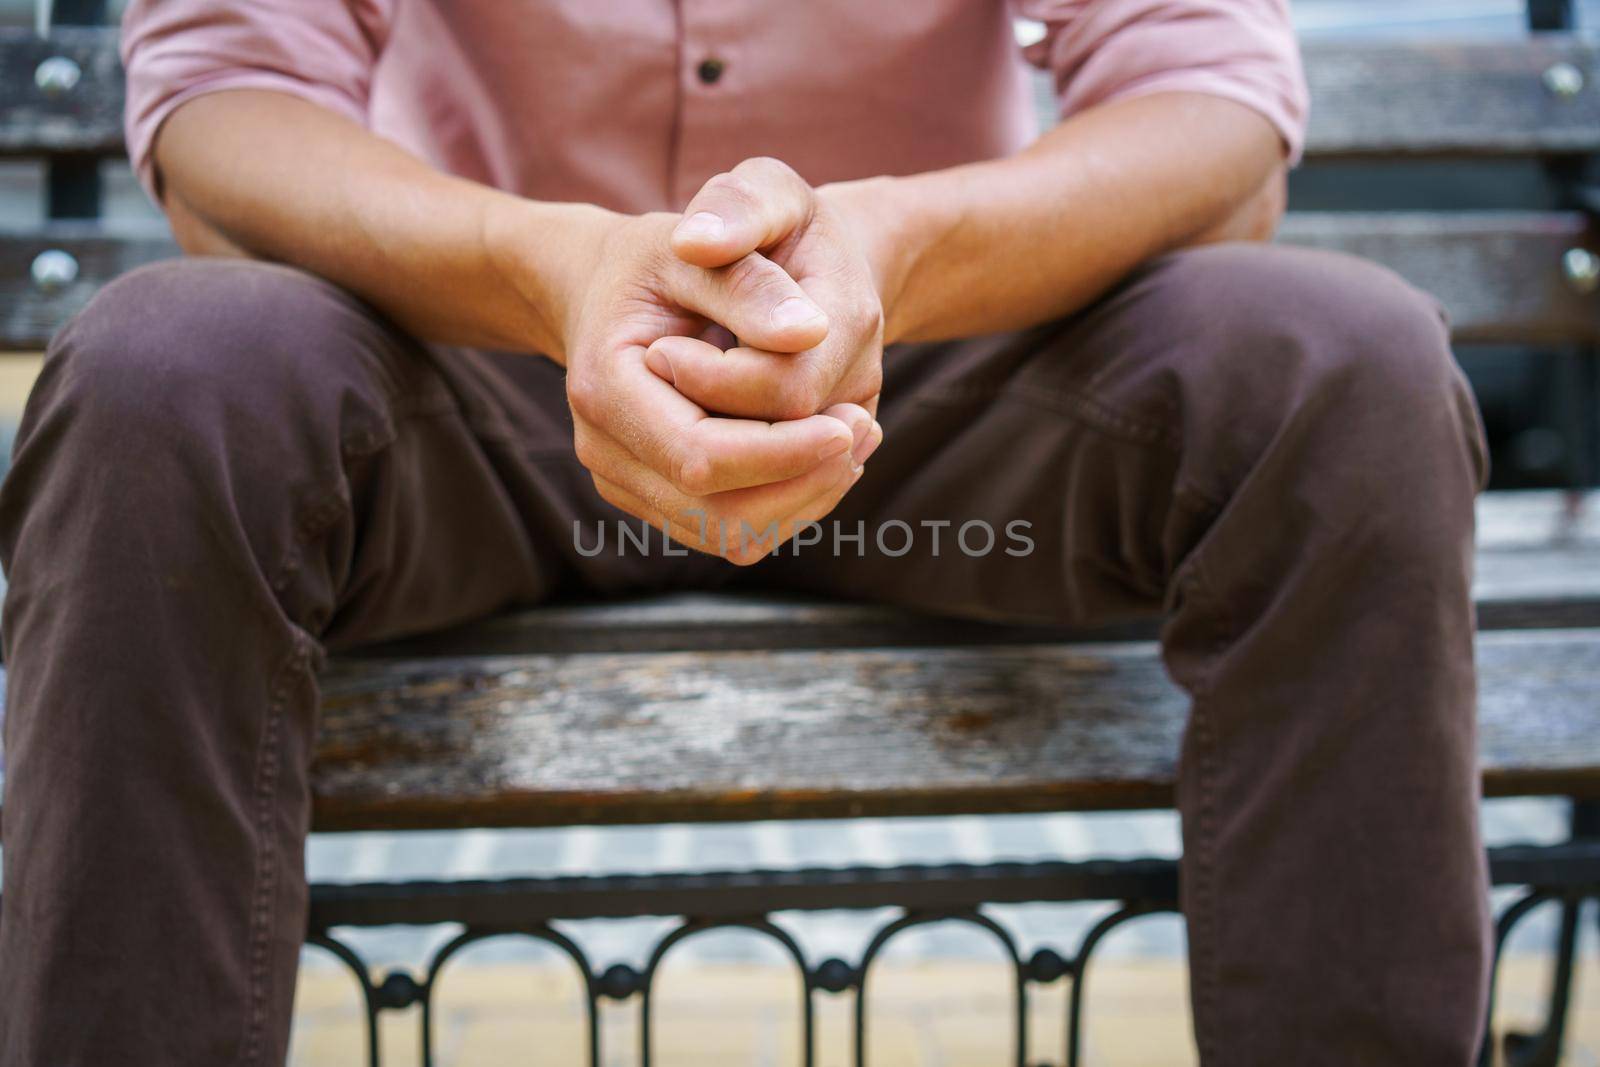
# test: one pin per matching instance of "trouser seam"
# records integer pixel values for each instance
(268, 769)
(305, 649)
(1203, 914)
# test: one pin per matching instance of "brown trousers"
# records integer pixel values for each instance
(227, 468)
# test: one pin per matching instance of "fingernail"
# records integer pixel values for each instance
(795, 311)
(834, 446)
(860, 424)
(870, 445)
(702, 224)
(661, 365)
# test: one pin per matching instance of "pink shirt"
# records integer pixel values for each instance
(632, 104)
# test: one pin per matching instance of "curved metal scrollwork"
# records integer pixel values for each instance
(1513, 914)
(1080, 968)
(363, 975)
(1564, 875)
(758, 924)
(917, 918)
(1544, 1048)
(540, 932)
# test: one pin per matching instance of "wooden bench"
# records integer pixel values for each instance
(712, 708)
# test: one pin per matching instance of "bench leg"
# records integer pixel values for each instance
(1543, 1049)
(1579, 417)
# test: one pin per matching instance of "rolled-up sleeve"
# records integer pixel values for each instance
(323, 51)
(1243, 50)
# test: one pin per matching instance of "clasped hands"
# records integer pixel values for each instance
(723, 366)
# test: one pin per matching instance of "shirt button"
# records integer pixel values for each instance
(710, 70)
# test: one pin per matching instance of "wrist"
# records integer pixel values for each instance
(885, 216)
(545, 252)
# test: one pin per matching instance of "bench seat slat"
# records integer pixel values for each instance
(915, 716)
(630, 738)
(617, 738)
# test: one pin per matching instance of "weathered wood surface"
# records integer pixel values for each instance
(616, 738)
(1499, 274)
(83, 119)
(846, 720)
(1372, 97)
(606, 738)
(1378, 97)
(440, 733)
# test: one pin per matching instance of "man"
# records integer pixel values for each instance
(786, 263)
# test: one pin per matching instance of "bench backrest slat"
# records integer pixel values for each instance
(1371, 97)
(1504, 277)
(1501, 275)
(1453, 98)
(39, 120)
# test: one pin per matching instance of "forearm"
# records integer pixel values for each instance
(275, 177)
(1010, 243)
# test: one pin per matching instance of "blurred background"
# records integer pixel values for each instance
(943, 996)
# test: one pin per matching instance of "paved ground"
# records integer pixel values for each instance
(924, 1014)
